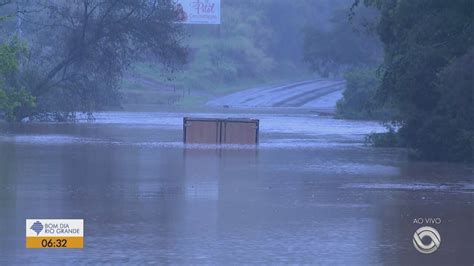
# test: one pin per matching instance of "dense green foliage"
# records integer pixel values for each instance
(427, 74)
(15, 101)
(359, 98)
(424, 86)
(79, 50)
(16, 104)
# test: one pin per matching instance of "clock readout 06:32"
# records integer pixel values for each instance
(54, 243)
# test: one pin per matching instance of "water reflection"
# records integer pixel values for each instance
(300, 197)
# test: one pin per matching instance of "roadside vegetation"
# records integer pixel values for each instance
(15, 101)
(91, 55)
(252, 46)
(349, 48)
(423, 88)
(62, 57)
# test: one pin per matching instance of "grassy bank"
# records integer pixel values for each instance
(149, 84)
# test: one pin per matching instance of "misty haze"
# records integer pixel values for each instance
(237, 132)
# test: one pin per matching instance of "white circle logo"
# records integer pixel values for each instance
(426, 231)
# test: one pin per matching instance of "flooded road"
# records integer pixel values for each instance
(318, 94)
(311, 193)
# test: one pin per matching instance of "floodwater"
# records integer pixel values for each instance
(311, 192)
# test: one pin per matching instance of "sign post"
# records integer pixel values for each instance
(201, 11)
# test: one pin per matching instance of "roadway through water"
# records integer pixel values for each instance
(318, 94)
(311, 192)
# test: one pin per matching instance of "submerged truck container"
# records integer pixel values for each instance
(220, 131)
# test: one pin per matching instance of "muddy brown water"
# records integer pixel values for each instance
(310, 193)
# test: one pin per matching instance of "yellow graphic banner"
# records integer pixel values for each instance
(55, 242)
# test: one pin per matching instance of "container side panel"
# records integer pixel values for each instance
(202, 132)
(240, 132)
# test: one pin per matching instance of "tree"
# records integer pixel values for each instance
(358, 101)
(428, 49)
(14, 102)
(79, 50)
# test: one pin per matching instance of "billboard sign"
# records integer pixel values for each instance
(201, 11)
